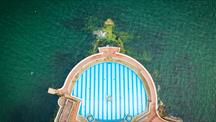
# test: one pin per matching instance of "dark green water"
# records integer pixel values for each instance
(40, 41)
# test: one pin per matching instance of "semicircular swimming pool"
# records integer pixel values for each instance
(110, 91)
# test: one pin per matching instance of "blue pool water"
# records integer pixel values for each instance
(110, 91)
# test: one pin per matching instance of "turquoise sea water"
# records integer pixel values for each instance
(40, 41)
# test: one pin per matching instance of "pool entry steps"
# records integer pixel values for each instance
(109, 87)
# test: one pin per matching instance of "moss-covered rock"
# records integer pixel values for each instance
(106, 37)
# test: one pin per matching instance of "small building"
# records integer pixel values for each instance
(109, 87)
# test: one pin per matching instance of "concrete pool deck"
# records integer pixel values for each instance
(69, 105)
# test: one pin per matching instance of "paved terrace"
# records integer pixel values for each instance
(108, 86)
